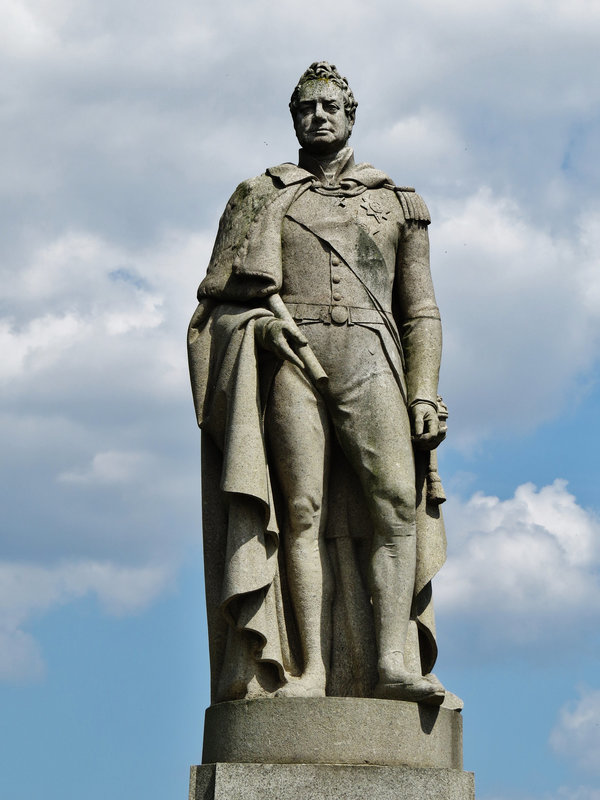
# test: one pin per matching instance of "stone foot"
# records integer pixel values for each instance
(304, 686)
(418, 691)
(434, 681)
(396, 683)
(451, 700)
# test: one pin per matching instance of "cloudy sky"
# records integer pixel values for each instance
(124, 129)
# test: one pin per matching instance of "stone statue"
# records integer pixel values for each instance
(314, 356)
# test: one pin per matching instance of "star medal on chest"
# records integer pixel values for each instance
(374, 210)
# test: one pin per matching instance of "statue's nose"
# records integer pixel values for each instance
(320, 111)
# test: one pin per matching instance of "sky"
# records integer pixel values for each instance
(124, 129)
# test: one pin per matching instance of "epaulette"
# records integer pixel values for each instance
(413, 205)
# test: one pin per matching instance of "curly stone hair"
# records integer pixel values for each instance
(324, 71)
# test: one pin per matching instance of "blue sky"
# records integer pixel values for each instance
(125, 128)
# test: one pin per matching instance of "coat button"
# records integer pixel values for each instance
(337, 296)
(335, 278)
(339, 315)
(335, 262)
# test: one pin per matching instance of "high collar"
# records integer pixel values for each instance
(327, 169)
(310, 168)
(349, 174)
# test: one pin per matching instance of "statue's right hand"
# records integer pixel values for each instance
(281, 338)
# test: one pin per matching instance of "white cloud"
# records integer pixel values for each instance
(576, 735)
(42, 340)
(23, 32)
(577, 793)
(513, 295)
(111, 467)
(83, 309)
(520, 569)
(100, 446)
(28, 591)
(425, 141)
(87, 276)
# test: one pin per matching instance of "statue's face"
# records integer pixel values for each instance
(320, 119)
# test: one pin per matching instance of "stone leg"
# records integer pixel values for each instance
(372, 424)
(298, 435)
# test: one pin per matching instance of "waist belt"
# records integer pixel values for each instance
(338, 314)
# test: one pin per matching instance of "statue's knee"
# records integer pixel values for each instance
(396, 502)
(304, 513)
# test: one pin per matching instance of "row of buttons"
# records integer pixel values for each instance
(339, 314)
(335, 276)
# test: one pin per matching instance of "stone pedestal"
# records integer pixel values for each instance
(327, 782)
(331, 747)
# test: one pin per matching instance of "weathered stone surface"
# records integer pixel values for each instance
(327, 782)
(333, 730)
(314, 356)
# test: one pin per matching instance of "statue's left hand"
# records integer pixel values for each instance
(280, 337)
(426, 428)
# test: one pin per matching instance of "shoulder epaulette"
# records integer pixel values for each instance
(413, 205)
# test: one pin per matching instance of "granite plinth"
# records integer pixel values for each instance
(327, 781)
(333, 730)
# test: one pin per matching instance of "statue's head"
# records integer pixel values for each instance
(323, 109)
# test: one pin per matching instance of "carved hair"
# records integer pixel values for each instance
(324, 71)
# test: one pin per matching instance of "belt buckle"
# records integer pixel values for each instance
(339, 314)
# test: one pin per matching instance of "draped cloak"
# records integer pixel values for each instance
(252, 637)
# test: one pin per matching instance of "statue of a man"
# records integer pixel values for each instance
(322, 529)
